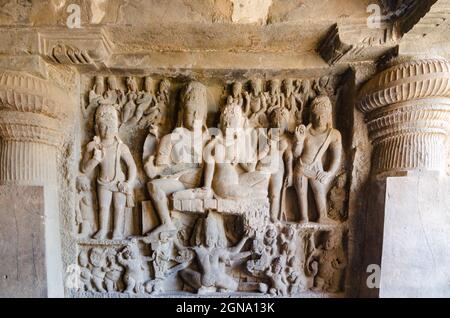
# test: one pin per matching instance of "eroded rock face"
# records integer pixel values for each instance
(214, 147)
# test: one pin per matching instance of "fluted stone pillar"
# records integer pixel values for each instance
(32, 114)
(407, 110)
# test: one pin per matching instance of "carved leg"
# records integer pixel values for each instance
(140, 112)
(109, 285)
(131, 283)
(275, 186)
(120, 200)
(159, 189)
(191, 278)
(104, 198)
(98, 283)
(320, 197)
(301, 187)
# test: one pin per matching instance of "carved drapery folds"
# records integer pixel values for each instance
(30, 128)
(407, 109)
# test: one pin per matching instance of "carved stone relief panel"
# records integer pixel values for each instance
(210, 186)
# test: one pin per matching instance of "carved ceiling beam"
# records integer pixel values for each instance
(407, 110)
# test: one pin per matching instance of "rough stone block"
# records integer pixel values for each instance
(22, 242)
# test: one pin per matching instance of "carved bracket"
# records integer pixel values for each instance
(87, 48)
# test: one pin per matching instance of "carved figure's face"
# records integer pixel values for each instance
(83, 259)
(274, 86)
(237, 89)
(304, 87)
(288, 86)
(107, 128)
(99, 86)
(112, 83)
(164, 86)
(320, 117)
(148, 84)
(277, 267)
(256, 86)
(193, 117)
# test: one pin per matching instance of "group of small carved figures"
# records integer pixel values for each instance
(229, 163)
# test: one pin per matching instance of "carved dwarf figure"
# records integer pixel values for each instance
(278, 282)
(178, 161)
(256, 104)
(85, 208)
(331, 263)
(85, 272)
(228, 152)
(212, 257)
(108, 152)
(311, 146)
(131, 260)
(113, 271)
(97, 260)
(289, 245)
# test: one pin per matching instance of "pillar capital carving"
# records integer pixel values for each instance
(407, 110)
(32, 116)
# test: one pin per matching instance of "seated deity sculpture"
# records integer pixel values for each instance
(178, 163)
(108, 152)
(310, 149)
(230, 169)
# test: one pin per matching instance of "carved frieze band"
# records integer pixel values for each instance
(407, 110)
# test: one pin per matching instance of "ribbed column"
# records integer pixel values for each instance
(407, 109)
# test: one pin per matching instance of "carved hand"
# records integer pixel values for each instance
(150, 168)
(124, 187)
(300, 133)
(288, 181)
(323, 177)
(98, 154)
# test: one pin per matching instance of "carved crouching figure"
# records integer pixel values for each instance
(178, 159)
(108, 151)
(312, 144)
(212, 258)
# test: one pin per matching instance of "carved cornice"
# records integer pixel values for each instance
(407, 109)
